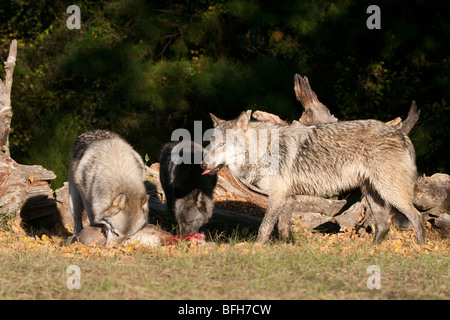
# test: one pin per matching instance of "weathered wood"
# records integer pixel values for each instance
(432, 196)
(442, 223)
(315, 112)
(38, 198)
(411, 119)
(430, 192)
(266, 116)
(350, 217)
(23, 194)
(5, 98)
(312, 220)
(328, 207)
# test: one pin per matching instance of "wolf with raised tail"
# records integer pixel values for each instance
(106, 178)
(319, 160)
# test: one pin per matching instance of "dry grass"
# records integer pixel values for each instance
(313, 266)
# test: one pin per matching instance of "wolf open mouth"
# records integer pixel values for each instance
(210, 171)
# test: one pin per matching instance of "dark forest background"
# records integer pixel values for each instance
(144, 68)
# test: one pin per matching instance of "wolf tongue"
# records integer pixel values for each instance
(206, 171)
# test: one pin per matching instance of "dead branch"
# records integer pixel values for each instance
(411, 119)
(5, 98)
(315, 112)
(270, 117)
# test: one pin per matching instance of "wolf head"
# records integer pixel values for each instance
(125, 215)
(228, 145)
(193, 211)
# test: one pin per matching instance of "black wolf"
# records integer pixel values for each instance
(189, 194)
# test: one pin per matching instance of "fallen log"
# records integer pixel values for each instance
(350, 217)
(327, 207)
(312, 220)
(432, 197)
(430, 192)
(442, 224)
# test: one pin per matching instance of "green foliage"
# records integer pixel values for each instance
(143, 68)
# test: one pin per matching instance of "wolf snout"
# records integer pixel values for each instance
(204, 167)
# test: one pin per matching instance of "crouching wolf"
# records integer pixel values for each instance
(319, 160)
(106, 177)
(188, 193)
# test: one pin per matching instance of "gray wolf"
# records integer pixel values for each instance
(319, 160)
(106, 177)
(188, 193)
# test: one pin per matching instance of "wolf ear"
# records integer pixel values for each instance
(243, 119)
(117, 204)
(216, 121)
(144, 200)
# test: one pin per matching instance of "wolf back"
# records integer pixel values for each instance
(188, 193)
(322, 160)
(106, 178)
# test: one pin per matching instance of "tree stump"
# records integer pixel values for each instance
(24, 190)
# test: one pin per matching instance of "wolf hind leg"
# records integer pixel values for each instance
(380, 212)
(401, 197)
(76, 208)
(415, 217)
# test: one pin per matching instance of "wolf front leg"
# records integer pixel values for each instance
(276, 201)
(284, 219)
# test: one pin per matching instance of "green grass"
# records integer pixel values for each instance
(241, 271)
(311, 266)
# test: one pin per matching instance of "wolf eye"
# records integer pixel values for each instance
(212, 138)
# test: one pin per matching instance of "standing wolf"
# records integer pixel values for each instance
(106, 177)
(319, 160)
(188, 192)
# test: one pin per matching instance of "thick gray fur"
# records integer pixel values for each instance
(106, 178)
(322, 160)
